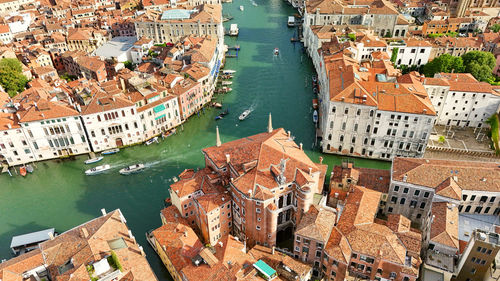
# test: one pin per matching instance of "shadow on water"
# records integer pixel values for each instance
(60, 195)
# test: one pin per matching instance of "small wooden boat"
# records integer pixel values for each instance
(244, 115)
(227, 76)
(132, 169)
(22, 171)
(222, 114)
(151, 141)
(168, 134)
(276, 51)
(93, 160)
(29, 168)
(315, 103)
(110, 151)
(228, 72)
(97, 170)
(226, 83)
(315, 116)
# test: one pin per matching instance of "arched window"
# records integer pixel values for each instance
(328, 147)
(365, 141)
(396, 34)
(403, 32)
(368, 128)
(342, 138)
(371, 113)
(330, 137)
(351, 150)
(334, 109)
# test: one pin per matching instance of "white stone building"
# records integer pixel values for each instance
(111, 122)
(160, 114)
(373, 115)
(460, 100)
(410, 52)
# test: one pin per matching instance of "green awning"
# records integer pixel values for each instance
(159, 108)
(163, 115)
(265, 269)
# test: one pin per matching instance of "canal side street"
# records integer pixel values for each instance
(59, 195)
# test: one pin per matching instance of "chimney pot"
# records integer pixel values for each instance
(103, 211)
(228, 158)
(301, 146)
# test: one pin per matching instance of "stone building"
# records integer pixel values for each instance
(417, 183)
(170, 25)
(372, 112)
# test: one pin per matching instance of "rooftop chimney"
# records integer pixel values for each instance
(51, 235)
(103, 211)
(130, 235)
(310, 170)
(300, 146)
(405, 177)
(289, 133)
(84, 233)
(142, 251)
(272, 250)
(321, 159)
(228, 158)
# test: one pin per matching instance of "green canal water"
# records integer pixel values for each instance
(59, 195)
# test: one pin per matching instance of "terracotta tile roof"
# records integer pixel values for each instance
(449, 188)
(90, 242)
(444, 226)
(15, 267)
(45, 109)
(102, 102)
(317, 224)
(338, 247)
(263, 151)
(350, 83)
(369, 237)
(275, 260)
(479, 176)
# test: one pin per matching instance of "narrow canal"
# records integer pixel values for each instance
(59, 195)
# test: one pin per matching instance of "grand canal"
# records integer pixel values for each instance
(59, 195)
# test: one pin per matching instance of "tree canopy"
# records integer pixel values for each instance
(443, 63)
(495, 28)
(11, 76)
(478, 63)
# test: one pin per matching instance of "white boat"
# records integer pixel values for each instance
(226, 83)
(244, 115)
(93, 160)
(228, 71)
(151, 141)
(97, 170)
(276, 51)
(234, 30)
(315, 116)
(132, 169)
(110, 151)
(242, 8)
(291, 21)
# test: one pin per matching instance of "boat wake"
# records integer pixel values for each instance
(254, 3)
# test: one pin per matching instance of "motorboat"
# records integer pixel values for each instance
(132, 169)
(315, 116)
(217, 105)
(226, 83)
(242, 8)
(97, 170)
(22, 171)
(276, 51)
(234, 30)
(228, 72)
(93, 160)
(151, 141)
(314, 78)
(291, 21)
(110, 151)
(29, 168)
(244, 115)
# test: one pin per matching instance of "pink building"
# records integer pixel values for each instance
(190, 95)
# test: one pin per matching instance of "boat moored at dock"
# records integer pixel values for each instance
(228, 72)
(110, 151)
(234, 30)
(93, 160)
(151, 141)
